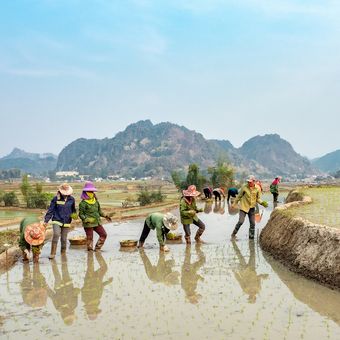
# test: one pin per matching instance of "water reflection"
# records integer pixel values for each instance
(245, 273)
(33, 286)
(190, 277)
(323, 300)
(219, 207)
(162, 272)
(208, 206)
(232, 210)
(64, 295)
(93, 287)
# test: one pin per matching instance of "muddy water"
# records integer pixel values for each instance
(221, 290)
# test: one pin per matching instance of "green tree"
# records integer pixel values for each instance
(10, 199)
(221, 175)
(179, 180)
(195, 177)
(25, 187)
(38, 188)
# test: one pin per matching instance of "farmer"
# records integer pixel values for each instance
(163, 223)
(274, 188)
(62, 210)
(232, 192)
(90, 214)
(188, 212)
(207, 192)
(218, 193)
(248, 196)
(32, 235)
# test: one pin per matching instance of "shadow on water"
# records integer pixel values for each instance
(323, 300)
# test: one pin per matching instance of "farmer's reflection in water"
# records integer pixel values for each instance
(162, 272)
(33, 287)
(93, 288)
(245, 273)
(208, 206)
(64, 295)
(190, 277)
(219, 207)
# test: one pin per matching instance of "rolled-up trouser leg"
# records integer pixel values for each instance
(187, 231)
(102, 236)
(201, 227)
(63, 238)
(251, 216)
(241, 218)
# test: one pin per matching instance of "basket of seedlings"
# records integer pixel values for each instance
(78, 240)
(128, 243)
(173, 238)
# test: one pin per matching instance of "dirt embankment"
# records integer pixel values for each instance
(307, 248)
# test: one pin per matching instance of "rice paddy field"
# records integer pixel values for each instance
(325, 208)
(220, 290)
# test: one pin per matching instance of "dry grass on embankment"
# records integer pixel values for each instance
(306, 247)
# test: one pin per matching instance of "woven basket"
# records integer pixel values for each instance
(78, 241)
(128, 243)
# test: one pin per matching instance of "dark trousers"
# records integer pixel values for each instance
(251, 216)
(99, 230)
(275, 196)
(230, 195)
(217, 195)
(146, 231)
(199, 224)
(207, 193)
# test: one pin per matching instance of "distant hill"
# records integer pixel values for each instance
(276, 155)
(145, 149)
(29, 162)
(329, 162)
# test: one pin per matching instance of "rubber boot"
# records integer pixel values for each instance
(233, 235)
(198, 236)
(89, 245)
(140, 244)
(36, 257)
(187, 239)
(53, 250)
(100, 243)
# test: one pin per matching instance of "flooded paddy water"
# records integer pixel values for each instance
(220, 290)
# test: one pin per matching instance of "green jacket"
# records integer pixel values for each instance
(23, 244)
(155, 221)
(248, 197)
(93, 211)
(274, 188)
(188, 211)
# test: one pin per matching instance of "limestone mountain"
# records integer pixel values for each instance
(329, 162)
(277, 155)
(145, 149)
(34, 163)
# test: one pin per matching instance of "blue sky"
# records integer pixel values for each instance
(230, 69)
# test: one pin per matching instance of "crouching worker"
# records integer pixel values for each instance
(90, 214)
(163, 223)
(32, 236)
(188, 210)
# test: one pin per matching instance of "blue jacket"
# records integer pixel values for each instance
(60, 210)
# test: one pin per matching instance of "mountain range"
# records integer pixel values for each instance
(147, 149)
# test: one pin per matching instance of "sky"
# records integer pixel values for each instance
(229, 69)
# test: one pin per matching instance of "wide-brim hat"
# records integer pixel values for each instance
(191, 191)
(65, 189)
(89, 186)
(251, 178)
(35, 234)
(170, 221)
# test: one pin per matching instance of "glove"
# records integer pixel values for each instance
(74, 216)
(89, 220)
(264, 204)
(108, 218)
(45, 224)
(199, 210)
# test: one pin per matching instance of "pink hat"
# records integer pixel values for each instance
(89, 187)
(191, 191)
(35, 234)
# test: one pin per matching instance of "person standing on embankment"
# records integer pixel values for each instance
(248, 196)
